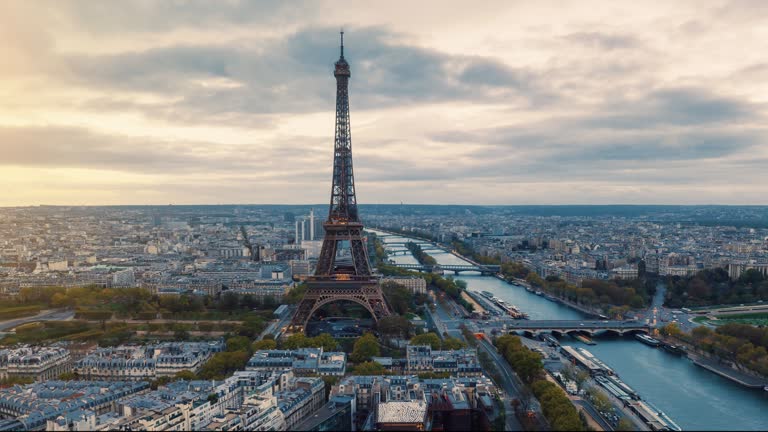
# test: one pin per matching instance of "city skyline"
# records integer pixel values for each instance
(506, 104)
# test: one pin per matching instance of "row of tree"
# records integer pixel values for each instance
(422, 257)
(557, 408)
(598, 293)
(434, 341)
(739, 343)
(714, 286)
(138, 302)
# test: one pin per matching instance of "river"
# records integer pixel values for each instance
(694, 398)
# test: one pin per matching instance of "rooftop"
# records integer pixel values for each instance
(402, 412)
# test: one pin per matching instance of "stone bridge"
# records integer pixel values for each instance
(579, 326)
(456, 269)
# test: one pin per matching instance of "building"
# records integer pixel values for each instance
(463, 362)
(336, 415)
(624, 272)
(309, 228)
(261, 413)
(415, 284)
(301, 361)
(136, 362)
(451, 404)
(402, 416)
(304, 396)
(40, 363)
(123, 279)
(300, 268)
(735, 269)
(34, 404)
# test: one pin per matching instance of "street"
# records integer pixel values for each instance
(508, 384)
(46, 315)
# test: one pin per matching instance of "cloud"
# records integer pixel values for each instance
(293, 74)
(159, 15)
(80, 148)
(534, 105)
(604, 41)
(675, 107)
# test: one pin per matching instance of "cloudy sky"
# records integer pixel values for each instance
(185, 102)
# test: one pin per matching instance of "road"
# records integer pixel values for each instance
(276, 326)
(592, 412)
(658, 316)
(447, 322)
(508, 384)
(46, 315)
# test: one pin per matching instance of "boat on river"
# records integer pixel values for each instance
(647, 340)
(539, 293)
(673, 349)
(583, 339)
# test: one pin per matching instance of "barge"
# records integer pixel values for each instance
(647, 340)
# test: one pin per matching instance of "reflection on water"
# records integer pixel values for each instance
(693, 397)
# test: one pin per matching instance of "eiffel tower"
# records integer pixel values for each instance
(342, 277)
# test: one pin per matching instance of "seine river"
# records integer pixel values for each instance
(693, 397)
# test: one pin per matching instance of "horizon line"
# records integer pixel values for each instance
(390, 204)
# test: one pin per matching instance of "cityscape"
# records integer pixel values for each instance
(167, 281)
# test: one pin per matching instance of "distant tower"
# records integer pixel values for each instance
(312, 224)
(347, 279)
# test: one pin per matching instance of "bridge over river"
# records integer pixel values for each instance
(456, 269)
(584, 326)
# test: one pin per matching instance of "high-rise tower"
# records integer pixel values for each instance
(343, 271)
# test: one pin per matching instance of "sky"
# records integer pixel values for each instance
(452, 102)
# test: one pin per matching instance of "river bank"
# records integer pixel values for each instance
(695, 398)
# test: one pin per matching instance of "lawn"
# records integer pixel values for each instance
(755, 319)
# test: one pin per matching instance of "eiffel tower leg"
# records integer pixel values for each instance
(302, 314)
(367, 295)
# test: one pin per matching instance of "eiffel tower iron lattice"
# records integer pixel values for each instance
(342, 278)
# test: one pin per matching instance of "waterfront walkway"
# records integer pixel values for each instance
(725, 371)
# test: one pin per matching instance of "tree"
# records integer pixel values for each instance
(186, 374)
(264, 344)
(625, 424)
(324, 340)
(252, 327)
(670, 329)
(365, 347)
(294, 341)
(222, 364)
(395, 325)
(295, 294)
(398, 297)
(239, 343)
(535, 280)
(369, 368)
(453, 344)
(430, 339)
(229, 301)
(181, 335)
(68, 376)
(751, 276)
